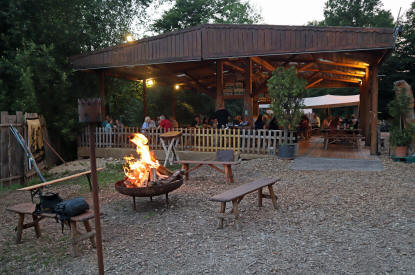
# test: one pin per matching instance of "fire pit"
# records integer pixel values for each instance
(145, 177)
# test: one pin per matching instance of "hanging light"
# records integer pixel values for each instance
(177, 86)
(149, 82)
(129, 38)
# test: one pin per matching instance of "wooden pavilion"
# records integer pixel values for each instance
(235, 61)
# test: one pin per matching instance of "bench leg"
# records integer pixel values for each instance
(235, 212)
(273, 197)
(74, 230)
(185, 167)
(19, 228)
(222, 211)
(36, 225)
(88, 229)
(228, 173)
(260, 197)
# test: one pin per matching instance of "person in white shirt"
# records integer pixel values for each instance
(148, 123)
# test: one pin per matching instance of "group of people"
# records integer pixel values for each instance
(266, 121)
(109, 123)
(162, 122)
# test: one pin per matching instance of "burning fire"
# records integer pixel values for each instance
(138, 171)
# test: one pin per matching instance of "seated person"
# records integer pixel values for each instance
(304, 127)
(196, 122)
(148, 123)
(335, 123)
(165, 124)
(259, 123)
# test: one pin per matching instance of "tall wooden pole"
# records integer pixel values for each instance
(219, 84)
(102, 80)
(374, 111)
(145, 97)
(248, 110)
(98, 233)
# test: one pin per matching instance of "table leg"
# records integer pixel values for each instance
(89, 229)
(168, 154)
(74, 230)
(222, 211)
(19, 228)
(235, 211)
(36, 225)
(273, 197)
(185, 167)
(260, 197)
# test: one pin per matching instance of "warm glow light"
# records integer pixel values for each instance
(129, 38)
(149, 82)
(177, 86)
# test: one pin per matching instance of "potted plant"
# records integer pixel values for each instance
(287, 91)
(401, 134)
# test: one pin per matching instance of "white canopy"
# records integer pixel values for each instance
(331, 101)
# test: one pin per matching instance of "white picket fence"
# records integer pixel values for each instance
(194, 139)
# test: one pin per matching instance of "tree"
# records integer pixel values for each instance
(356, 13)
(36, 40)
(189, 13)
(287, 91)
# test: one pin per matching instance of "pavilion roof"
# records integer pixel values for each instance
(324, 56)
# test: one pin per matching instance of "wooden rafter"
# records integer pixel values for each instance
(336, 72)
(312, 84)
(358, 81)
(233, 66)
(305, 67)
(332, 63)
(263, 63)
(196, 84)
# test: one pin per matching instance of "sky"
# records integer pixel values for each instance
(299, 12)
(280, 12)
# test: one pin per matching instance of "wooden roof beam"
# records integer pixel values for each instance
(332, 63)
(263, 63)
(199, 85)
(314, 83)
(336, 72)
(233, 66)
(357, 81)
(305, 67)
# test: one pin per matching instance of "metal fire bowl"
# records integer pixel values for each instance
(155, 190)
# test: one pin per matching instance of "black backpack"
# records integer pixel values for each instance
(70, 208)
(47, 203)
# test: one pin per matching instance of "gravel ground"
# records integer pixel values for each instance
(327, 222)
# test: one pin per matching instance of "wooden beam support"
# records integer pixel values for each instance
(335, 72)
(233, 66)
(220, 102)
(332, 63)
(263, 63)
(357, 81)
(102, 81)
(248, 94)
(314, 83)
(145, 97)
(305, 67)
(374, 111)
(198, 85)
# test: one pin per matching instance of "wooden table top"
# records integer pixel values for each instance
(171, 134)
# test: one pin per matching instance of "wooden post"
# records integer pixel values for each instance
(219, 84)
(173, 104)
(102, 78)
(145, 97)
(374, 111)
(248, 100)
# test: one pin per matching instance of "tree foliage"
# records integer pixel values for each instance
(36, 40)
(287, 91)
(356, 13)
(189, 13)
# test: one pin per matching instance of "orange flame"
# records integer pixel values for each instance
(137, 171)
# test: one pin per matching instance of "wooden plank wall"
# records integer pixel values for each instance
(194, 139)
(12, 168)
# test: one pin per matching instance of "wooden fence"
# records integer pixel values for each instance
(194, 139)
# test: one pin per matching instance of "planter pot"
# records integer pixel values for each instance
(286, 151)
(400, 151)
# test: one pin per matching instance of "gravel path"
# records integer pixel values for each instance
(327, 222)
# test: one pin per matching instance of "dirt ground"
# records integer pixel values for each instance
(327, 222)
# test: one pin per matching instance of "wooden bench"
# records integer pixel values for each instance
(23, 209)
(353, 139)
(28, 208)
(235, 196)
(227, 165)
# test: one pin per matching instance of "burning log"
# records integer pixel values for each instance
(178, 175)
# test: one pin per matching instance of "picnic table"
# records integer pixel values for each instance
(351, 136)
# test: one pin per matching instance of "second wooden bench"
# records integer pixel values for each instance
(235, 196)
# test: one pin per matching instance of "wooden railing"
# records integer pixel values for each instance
(194, 139)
